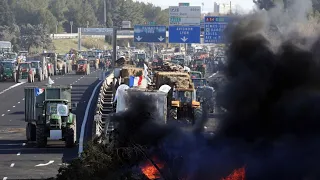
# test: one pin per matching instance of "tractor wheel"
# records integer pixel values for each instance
(17, 78)
(71, 135)
(29, 78)
(31, 132)
(41, 137)
(14, 77)
(173, 113)
(197, 116)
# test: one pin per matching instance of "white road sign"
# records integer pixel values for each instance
(126, 24)
(96, 31)
(184, 15)
(185, 11)
(184, 21)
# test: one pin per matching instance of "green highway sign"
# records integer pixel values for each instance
(184, 4)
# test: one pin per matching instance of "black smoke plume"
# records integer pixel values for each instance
(271, 126)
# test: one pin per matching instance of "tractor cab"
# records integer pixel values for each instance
(196, 74)
(57, 113)
(178, 61)
(25, 72)
(199, 82)
(9, 68)
(198, 65)
(184, 104)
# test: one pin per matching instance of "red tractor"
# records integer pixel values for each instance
(83, 67)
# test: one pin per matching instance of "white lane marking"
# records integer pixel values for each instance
(212, 75)
(2, 115)
(11, 165)
(13, 106)
(85, 118)
(19, 102)
(19, 153)
(10, 144)
(23, 144)
(22, 99)
(5, 178)
(46, 164)
(18, 84)
(8, 110)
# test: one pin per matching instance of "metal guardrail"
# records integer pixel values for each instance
(100, 116)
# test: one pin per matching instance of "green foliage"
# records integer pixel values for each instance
(30, 15)
(101, 161)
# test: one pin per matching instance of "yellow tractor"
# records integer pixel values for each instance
(184, 105)
(182, 97)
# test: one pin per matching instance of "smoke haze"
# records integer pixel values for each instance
(273, 103)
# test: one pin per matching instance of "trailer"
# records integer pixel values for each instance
(159, 98)
(104, 123)
(48, 113)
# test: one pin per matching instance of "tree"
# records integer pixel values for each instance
(264, 4)
(58, 8)
(34, 36)
(6, 15)
(46, 18)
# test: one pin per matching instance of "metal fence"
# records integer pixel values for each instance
(104, 106)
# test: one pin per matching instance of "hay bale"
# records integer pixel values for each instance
(182, 80)
(128, 71)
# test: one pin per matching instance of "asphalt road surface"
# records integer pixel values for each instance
(21, 160)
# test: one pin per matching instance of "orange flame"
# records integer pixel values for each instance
(150, 171)
(238, 174)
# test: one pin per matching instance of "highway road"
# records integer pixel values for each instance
(19, 160)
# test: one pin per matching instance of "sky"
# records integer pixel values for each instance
(246, 5)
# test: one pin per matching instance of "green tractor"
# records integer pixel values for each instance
(48, 113)
(9, 71)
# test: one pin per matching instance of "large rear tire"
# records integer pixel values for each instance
(197, 116)
(71, 135)
(41, 137)
(31, 132)
(29, 78)
(14, 77)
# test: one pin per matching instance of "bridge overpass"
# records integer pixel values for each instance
(121, 35)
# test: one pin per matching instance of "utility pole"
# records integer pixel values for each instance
(114, 55)
(71, 24)
(230, 8)
(105, 12)
(57, 24)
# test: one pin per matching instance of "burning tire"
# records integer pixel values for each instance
(41, 137)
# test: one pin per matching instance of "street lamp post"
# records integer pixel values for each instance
(71, 24)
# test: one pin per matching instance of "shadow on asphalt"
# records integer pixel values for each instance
(17, 113)
(86, 92)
